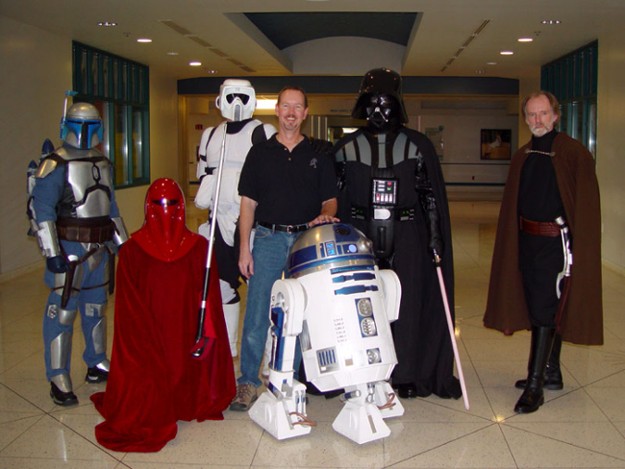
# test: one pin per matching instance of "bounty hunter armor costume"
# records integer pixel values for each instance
(77, 221)
(235, 137)
(392, 189)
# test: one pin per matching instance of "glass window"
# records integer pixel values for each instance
(119, 89)
(573, 80)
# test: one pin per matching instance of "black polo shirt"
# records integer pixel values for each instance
(288, 186)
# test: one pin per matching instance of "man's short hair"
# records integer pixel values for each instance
(294, 88)
(553, 101)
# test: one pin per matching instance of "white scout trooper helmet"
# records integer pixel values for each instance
(236, 100)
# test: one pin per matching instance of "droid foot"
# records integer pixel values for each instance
(280, 417)
(361, 423)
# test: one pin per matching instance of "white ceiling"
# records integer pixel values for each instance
(223, 40)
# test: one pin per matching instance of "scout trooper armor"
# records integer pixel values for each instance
(234, 138)
(77, 223)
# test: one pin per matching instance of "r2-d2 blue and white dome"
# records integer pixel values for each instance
(340, 305)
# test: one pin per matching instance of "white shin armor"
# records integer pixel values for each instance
(231, 315)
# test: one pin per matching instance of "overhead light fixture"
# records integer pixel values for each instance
(506, 52)
(195, 64)
(172, 53)
(525, 39)
(551, 21)
(107, 24)
(144, 40)
(491, 63)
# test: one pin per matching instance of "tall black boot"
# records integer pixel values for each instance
(553, 374)
(533, 397)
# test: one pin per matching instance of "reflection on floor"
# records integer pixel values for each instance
(580, 426)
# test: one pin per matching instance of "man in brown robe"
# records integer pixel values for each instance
(551, 177)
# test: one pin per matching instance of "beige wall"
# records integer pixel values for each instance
(611, 146)
(36, 72)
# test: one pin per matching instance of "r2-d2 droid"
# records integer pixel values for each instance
(340, 305)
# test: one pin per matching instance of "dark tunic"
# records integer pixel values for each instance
(506, 309)
(541, 257)
(423, 347)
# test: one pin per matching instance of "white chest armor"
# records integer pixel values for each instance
(237, 146)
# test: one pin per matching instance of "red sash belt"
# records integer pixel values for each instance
(539, 228)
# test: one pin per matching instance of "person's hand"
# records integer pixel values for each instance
(246, 264)
(57, 264)
(321, 219)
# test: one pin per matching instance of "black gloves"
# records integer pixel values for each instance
(57, 264)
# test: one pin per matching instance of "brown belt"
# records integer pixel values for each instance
(539, 228)
(85, 230)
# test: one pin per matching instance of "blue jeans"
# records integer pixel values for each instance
(270, 253)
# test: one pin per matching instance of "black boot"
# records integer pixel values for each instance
(553, 374)
(533, 397)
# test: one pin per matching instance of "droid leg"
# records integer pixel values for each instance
(281, 410)
(366, 406)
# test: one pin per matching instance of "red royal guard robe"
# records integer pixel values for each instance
(154, 381)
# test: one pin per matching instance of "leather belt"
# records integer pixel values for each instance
(539, 228)
(85, 230)
(285, 228)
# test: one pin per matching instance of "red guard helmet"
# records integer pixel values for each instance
(164, 234)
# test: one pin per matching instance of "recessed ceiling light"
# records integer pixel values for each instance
(491, 63)
(144, 39)
(506, 52)
(550, 21)
(525, 39)
(211, 72)
(195, 64)
(172, 53)
(107, 24)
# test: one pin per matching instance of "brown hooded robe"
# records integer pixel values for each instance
(506, 308)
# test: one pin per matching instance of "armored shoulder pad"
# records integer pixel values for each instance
(46, 167)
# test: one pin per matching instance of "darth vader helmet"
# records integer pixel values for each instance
(380, 100)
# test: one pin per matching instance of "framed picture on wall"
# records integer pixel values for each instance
(495, 144)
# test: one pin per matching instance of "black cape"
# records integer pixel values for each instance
(421, 336)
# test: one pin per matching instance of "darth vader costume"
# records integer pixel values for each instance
(154, 381)
(392, 189)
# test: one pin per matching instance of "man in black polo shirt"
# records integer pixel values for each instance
(286, 187)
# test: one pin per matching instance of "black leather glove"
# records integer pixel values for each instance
(57, 264)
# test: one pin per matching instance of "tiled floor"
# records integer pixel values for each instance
(581, 426)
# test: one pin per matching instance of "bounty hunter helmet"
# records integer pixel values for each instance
(380, 100)
(81, 127)
(236, 100)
